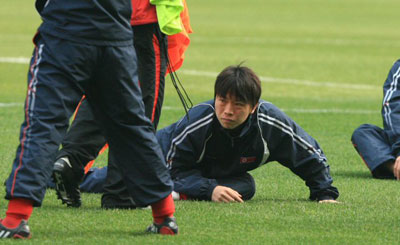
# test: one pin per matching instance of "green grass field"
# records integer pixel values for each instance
(323, 62)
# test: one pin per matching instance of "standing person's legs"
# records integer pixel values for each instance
(150, 45)
(84, 139)
(116, 100)
(116, 195)
(81, 144)
(372, 145)
(50, 101)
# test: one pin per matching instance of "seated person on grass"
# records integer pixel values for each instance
(211, 150)
(380, 148)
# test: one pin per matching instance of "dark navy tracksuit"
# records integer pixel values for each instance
(85, 47)
(84, 138)
(201, 154)
(374, 144)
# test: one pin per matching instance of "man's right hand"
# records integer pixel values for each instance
(225, 194)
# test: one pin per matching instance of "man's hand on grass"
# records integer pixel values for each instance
(225, 194)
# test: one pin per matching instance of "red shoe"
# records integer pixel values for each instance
(168, 227)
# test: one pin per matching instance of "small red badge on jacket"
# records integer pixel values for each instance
(247, 159)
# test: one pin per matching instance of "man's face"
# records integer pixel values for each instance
(231, 112)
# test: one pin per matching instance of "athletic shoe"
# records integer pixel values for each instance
(67, 183)
(20, 232)
(168, 227)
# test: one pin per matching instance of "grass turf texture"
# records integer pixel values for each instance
(334, 44)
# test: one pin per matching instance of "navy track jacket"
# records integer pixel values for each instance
(94, 22)
(199, 151)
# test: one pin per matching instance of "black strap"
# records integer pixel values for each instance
(176, 82)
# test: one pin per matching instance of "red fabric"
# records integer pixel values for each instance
(18, 209)
(79, 105)
(163, 209)
(183, 196)
(157, 56)
(90, 164)
(178, 43)
(143, 12)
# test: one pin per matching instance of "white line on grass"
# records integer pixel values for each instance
(22, 60)
(15, 60)
(11, 104)
(331, 111)
(288, 81)
(296, 41)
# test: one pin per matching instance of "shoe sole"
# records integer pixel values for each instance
(167, 231)
(16, 236)
(61, 190)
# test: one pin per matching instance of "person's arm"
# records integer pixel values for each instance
(291, 146)
(191, 183)
(195, 186)
(40, 4)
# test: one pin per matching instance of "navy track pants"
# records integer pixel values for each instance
(60, 73)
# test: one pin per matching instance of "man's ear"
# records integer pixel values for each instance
(254, 109)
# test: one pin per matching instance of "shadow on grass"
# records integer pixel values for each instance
(286, 200)
(353, 174)
(97, 233)
(63, 207)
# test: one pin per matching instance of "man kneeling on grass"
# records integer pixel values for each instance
(211, 150)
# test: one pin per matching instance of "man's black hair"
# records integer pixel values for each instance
(238, 81)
